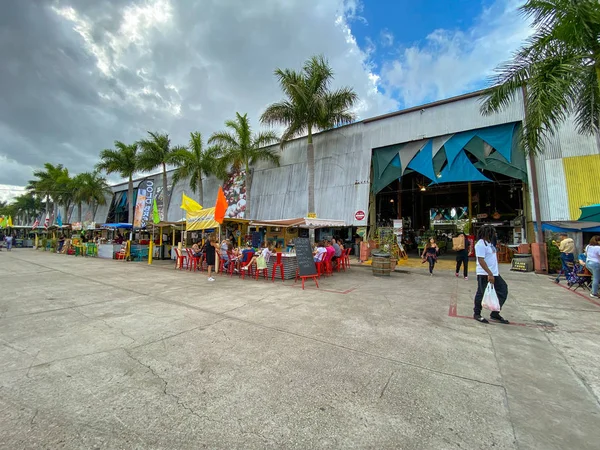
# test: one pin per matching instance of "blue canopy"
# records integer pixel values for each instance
(116, 225)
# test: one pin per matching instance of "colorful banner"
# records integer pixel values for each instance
(234, 189)
(201, 220)
(143, 205)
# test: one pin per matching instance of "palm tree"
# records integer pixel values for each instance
(194, 163)
(53, 182)
(240, 149)
(90, 188)
(26, 206)
(157, 152)
(558, 68)
(309, 106)
(123, 161)
(43, 185)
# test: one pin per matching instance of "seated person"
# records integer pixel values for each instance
(337, 246)
(197, 249)
(262, 259)
(320, 252)
(330, 250)
(243, 254)
(224, 255)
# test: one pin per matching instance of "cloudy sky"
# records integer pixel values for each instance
(79, 74)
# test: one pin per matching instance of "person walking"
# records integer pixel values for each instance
(9, 242)
(462, 254)
(592, 262)
(430, 253)
(488, 272)
(567, 254)
(210, 249)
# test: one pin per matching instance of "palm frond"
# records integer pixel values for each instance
(587, 103)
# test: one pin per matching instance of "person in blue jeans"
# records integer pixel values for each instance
(593, 263)
(567, 255)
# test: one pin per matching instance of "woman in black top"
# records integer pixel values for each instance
(430, 254)
(209, 254)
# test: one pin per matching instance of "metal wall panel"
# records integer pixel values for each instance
(429, 122)
(582, 185)
(554, 202)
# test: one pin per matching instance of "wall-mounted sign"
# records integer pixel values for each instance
(359, 215)
(312, 215)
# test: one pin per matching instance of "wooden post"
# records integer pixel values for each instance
(470, 210)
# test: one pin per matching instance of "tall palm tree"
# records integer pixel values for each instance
(157, 152)
(559, 68)
(90, 188)
(195, 162)
(241, 149)
(310, 106)
(123, 161)
(45, 183)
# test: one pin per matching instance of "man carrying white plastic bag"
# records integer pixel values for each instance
(488, 274)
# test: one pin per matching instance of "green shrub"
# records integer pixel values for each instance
(554, 263)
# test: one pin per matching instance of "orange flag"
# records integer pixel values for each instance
(220, 206)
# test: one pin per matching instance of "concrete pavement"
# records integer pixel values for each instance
(108, 354)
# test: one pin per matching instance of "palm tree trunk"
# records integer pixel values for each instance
(79, 212)
(166, 197)
(248, 192)
(130, 200)
(200, 190)
(310, 160)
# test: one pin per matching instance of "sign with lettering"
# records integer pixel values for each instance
(144, 202)
(304, 255)
(312, 215)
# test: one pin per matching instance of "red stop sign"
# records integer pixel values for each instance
(359, 215)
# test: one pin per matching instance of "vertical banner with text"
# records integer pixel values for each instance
(144, 203)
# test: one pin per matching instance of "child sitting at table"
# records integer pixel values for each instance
(262, 260)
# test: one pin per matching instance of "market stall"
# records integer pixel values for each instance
(109, 244)
(280, 232)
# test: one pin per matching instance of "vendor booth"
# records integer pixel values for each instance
(280, 233)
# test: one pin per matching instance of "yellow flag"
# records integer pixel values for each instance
(189, 205)
(9, 224)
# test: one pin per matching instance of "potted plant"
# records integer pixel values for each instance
(388, 243)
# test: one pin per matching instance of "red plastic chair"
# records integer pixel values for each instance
(193, 261)
(347, 258)
(321, 265)
(278, 264)
(246, 263)
(181, 259)
(222, 262)
(328, 265)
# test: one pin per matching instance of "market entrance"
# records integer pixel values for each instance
(437, 185)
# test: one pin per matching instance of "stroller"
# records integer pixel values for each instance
(578, 277)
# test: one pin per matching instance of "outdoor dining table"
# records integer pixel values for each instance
(290, 265)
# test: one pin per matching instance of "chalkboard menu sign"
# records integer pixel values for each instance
(304, 255)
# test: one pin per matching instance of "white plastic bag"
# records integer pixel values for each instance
(490, 299)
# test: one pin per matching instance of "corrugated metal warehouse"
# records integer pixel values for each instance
(396, 147)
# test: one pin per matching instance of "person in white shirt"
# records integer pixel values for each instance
(487, 272)
(320, 252)
(592, 262)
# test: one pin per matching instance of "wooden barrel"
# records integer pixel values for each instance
(522, 262)
(381, 264)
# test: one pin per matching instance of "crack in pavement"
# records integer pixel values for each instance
(166, 385)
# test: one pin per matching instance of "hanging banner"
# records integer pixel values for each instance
(234, 189)
(143, 204)
(201, 220)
